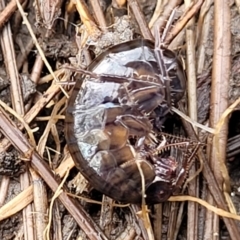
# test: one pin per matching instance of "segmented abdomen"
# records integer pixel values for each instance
(108, 120)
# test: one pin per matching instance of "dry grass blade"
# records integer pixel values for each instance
(183, 21)
(144, 212)
(194, 123)
(157, 12)
(42, 142)
(17, 204)
(87, 19)
(20, 119)
(50, 215)
(218, 211)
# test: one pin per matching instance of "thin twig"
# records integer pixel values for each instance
(219, 102)
(7, 12)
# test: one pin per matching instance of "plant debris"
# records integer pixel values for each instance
(43, 196)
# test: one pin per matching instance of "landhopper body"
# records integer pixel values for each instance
(111, 123)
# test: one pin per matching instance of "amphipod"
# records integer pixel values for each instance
(110, 122)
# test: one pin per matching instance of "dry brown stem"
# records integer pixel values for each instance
(157, 221)
(192, 109)
(99, 15)
(40, 203)
(219, 102)
(106, 215)
(18, 105)
(146, 33)
(203, 33)
(7, 12)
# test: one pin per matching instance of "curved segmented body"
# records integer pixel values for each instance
(109, 121)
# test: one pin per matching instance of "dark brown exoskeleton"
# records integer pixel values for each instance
(109, 123)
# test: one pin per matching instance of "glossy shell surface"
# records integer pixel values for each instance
(109, 122)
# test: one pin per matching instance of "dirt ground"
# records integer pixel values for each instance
(42, 193)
